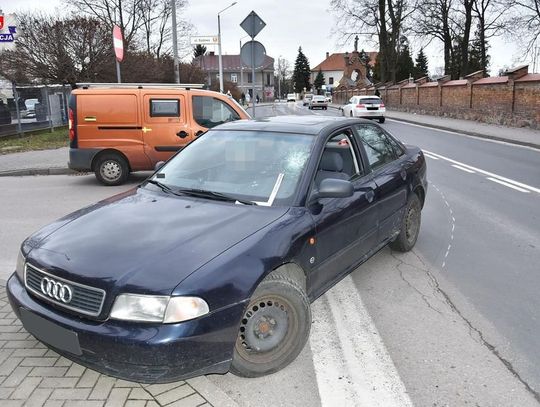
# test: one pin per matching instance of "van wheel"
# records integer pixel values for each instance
(111, 169)
(274, 329)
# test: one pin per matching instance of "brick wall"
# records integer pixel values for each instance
(511, 100)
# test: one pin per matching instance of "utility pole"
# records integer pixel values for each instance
(219, 47)
(175, 43)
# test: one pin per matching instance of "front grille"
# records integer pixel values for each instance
(84, 299)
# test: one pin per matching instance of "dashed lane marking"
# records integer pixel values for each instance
(352, 364)
(489, 174)
(506, 184)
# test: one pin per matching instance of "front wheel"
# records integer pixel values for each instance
(111, 169)
(410, 225)
(274, 328)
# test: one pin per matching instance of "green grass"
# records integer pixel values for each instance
(43, 140)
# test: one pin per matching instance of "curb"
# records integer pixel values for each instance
(468, 133)
(37, 171)
(213, 394)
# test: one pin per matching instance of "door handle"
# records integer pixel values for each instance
(182, 134)
(199, 133)
(370, 195)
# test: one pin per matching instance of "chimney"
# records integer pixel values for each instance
(211, 53)
(327, 54)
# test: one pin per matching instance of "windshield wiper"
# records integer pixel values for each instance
(213, 195)
(165, 188)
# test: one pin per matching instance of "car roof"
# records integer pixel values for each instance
(312, 125)
(369, 96)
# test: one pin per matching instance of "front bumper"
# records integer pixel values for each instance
(143, 352)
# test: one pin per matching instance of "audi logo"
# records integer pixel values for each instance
(56, 290)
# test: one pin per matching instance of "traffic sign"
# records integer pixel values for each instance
(258, 51)
(253, 24)
(205, 40)
(118, 43)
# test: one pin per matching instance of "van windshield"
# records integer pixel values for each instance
(260, 167)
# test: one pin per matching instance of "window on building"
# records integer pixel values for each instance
(331, 80)
(250, 78)
(234, 78)
(268, 79)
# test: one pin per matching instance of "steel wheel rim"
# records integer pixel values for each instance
(111, 170)
(270, 347)
(412, 223)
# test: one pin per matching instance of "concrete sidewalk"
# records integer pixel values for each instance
(42, 162)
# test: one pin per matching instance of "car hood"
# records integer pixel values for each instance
(143, 241)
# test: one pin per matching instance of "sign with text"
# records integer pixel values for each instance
(205, 40)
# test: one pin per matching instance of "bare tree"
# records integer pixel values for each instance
(528, 19)
(385, 20)
(59, 50)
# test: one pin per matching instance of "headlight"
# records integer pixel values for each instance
(20, 266)
(152, 308)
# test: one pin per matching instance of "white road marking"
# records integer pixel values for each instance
(489, 174)
(430, 156)
(352, 365)
(506, 184)
(463, 169)
(489, 140)
(451, 212)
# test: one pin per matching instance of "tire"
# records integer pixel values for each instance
(381, 120)
(111, 169)
(275, 327)
(410, 225)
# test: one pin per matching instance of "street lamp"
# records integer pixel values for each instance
(175, 43)
(219, 47)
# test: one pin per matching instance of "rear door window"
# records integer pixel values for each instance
(380, 148)
(164, 108)
(209, 111)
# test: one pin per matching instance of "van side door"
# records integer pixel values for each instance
(165, 125)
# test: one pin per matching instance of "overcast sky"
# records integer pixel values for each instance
(289, 24)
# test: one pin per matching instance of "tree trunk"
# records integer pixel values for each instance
(468, 4)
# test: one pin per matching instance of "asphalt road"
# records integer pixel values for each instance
(455, 322)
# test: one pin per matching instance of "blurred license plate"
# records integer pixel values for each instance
(50, 333)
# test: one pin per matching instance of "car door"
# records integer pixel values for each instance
(346, 228)
(165, 125)
(209, 111)
(386, 160)
(349, 106)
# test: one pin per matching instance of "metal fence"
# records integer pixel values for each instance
(25, 108)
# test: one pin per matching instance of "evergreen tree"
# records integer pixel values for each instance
(301, 73)
(405, 64)
(421, 67)
(199, 50)
(475, 56)
(319, 81)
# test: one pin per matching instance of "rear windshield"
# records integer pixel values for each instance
(371, 101)
(319, 98)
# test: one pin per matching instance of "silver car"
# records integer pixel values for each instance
(318, 101)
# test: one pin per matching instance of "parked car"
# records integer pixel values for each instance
(368, 107)
(291, 97)
(307, 99)
(30, 105)
(114, 131)
(210, 265)
(318, 101)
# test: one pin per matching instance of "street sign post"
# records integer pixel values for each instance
(118, 43)
(253, 25)
(204, 40)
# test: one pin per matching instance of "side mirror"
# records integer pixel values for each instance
(158, 165)
(333, 188)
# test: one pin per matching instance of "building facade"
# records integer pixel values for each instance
(238, 73)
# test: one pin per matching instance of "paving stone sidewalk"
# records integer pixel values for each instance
(32, 375)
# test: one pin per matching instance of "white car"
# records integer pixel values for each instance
(307, 99)
(291, 97)
(318, 101)
(368, 107)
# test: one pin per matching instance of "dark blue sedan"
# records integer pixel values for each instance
(211, 264)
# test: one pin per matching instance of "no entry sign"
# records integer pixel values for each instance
(118, 43)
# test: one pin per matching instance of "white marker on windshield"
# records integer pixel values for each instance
(274, 191)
